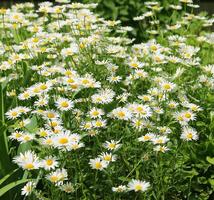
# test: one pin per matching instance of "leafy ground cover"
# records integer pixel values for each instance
(88, 113)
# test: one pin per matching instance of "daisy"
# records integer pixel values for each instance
(167, 86)
(51, 114)
(138, 186)
(68, 187)
(158, 110)
(140, 73)
(75, 146)
(160, 140)
(121, 113)
(99, 123)
(96, 113)
(141, 110)
(62, 140)
(64, 104)
(188, 115)
(108, 157)
(73, 49)
(193, 107)
(103, 96)
(160, 148)
(16, 135)
(112, 145)
(114, 79)
(25, 137)
(145, 98)
(24, 123)
(13, 114)
(28, 160)
(134, 63)
(93, 132)
(54, 123)
(23, 109)
(28, 188)
(43, 132)
(87, 125)
(147, 137)
(25, 95)
(180, 118)
(47, 141)
(49, 163)
(172, 104)
(138, 123)
(57, 177)
(98, 164)
(42, 101)
(120, 188)
(189, 134)
(164, 130)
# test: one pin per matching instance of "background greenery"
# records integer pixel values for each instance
(126, 10)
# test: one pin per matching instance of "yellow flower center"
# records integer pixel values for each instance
(134, 65)
(26, 95)
(3, 11)
(36, 90)
(70, 80)
(49, 141)
(187, 115)
(18, 135)
(43, 134)
(121, 114)
(81, 45)
(29, 166)
(172, 105)
(153, 48)
(85, 81)
(35, 40)
(138, 187)
(112, 146)
(74, 86)
(64, 104)
(180, 118)
(146, 137)
(167, 86)
(98, 165)
(157, 59)
(107, 158)
(63, 140)
(14, 114)
(75, 146)
(160, 141)
(95, 113)
(145, 98)
(26, 138)
(189, 135)
(53, 124)
(50, 115)
(43, 87)
(98, 123)
(49, 162)
(54, 179)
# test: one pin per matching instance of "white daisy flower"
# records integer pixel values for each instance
(138, 186)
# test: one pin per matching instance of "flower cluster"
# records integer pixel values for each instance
(87, 99)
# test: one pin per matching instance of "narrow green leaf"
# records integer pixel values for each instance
(12, 185)
(5, 165)
(7, 176)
